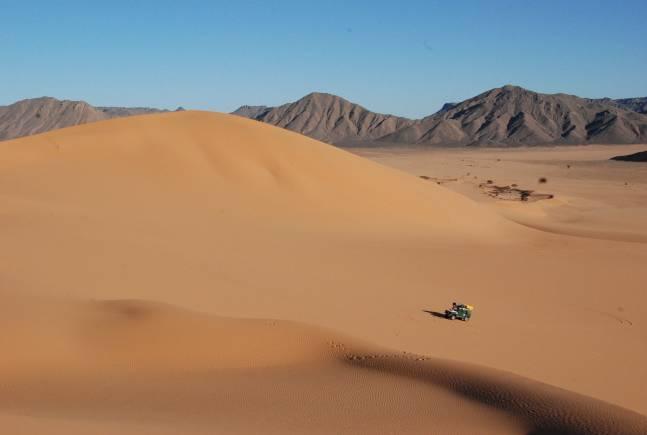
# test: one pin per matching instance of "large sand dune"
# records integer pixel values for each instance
(230, 217)
(81, 367)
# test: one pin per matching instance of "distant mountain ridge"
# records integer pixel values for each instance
(251, 111)
(447, 106)
(39, 115)
(635, 104)
(513, 116)
(328, 118)
(506, 116)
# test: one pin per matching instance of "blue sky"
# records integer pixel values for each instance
(405, 58)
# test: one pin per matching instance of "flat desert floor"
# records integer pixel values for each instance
(195, 272)
(593, 197)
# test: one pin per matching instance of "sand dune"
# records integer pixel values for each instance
(229, 217)
(151, 366)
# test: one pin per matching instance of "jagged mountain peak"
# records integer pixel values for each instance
(511, 115)
(329, 118)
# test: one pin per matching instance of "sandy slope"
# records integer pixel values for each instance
(81, 367)
(234, 218)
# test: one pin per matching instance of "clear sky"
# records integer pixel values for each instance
(401, 57)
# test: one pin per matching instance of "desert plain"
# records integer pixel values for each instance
(195, 272)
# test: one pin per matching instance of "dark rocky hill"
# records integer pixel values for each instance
(513, 116)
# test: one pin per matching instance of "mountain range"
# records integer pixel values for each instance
(328, 118)
(505, 116)
(635, 104)
(39, 115)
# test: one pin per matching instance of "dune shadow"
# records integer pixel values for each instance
(544, 409)
(434, 313)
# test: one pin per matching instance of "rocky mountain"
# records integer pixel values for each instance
(513, 116)
(328, 118)
(636, 104)
(633, 104)
(447, 106)
(39, 115)
(251, 111)
(506, 116)
(120, 112)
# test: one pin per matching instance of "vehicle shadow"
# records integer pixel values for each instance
(434, 313)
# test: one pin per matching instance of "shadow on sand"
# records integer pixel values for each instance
(543, 409)
(434, 313)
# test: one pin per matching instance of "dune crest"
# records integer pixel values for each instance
(242, 166)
